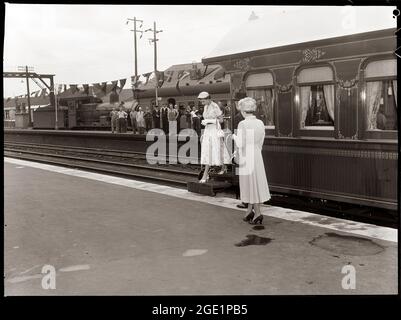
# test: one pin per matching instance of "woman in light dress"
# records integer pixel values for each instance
(213, 149)
(184, 117)
(249, 139)
(172, 119)
(140, 120)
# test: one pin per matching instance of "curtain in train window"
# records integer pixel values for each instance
(316, 100)
(260, 87)
(305, 103)
(381, 105)
(373, 99)
(381, 95)
(395, 92)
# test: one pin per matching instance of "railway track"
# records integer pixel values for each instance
(84, 150)
(88, 159)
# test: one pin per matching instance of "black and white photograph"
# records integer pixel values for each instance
(200, 150)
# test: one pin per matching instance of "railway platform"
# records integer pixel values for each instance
(106, 235)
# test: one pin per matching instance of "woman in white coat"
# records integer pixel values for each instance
(249, 139)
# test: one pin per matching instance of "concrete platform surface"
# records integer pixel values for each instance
(111, 236)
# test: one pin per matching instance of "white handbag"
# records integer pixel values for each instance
(220, 132)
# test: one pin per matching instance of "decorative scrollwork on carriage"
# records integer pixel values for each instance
(311, 55)
(242, 64)
(347, 84)
(340, 135)
(285, 87)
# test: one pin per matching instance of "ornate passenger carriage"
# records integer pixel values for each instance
(330, 110)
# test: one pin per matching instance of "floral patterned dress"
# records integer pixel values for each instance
(213, 149)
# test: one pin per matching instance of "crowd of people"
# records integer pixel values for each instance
(212, 117)
(167, 116)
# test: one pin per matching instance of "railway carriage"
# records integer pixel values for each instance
(330, 110)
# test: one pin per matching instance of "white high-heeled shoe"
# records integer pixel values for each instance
(222, 171)
(204, 180)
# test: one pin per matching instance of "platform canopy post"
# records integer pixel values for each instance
(28, 73)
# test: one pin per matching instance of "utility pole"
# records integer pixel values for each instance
(29, 95)
(154, 40)
(29, 98)
(55, 94)
(135, 51)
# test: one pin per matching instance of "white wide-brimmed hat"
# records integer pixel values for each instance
(203, 95)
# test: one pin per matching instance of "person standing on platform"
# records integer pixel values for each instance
(172, 119)
(179, 112)
(189, 117)
(193, 114)
(196, 126)
(237, 117)
(164, 118)
(148, 119)
(140, 120)
(132, 115)
(125, 119)
(227, 116)
(213, 149)
(121, 122)
(249, 139)
(113, 120)
(183, 118)
(156, 117)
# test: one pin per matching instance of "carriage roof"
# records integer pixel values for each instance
(293, 25)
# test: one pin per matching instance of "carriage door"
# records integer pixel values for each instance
(72, 114)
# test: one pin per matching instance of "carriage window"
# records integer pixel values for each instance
(381, 95)
(316, 98)
(260, 87)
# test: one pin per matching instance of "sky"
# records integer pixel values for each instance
(92, 43)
